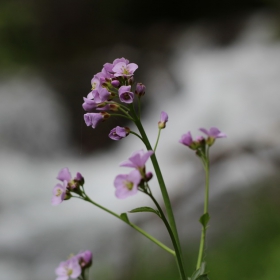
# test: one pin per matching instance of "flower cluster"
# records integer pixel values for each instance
(213, 133)
(109, 87)
(74, 266)
(128, 184)
(63, 190)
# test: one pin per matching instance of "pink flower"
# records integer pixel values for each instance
(125, 94)
(213, 132)
(85, 258)
(137, 160)
(61, 191)
(119, 133)
(109, 66)
(126, 184)
(122, 69)
(68, 269)
(186, 139)
(93, 119)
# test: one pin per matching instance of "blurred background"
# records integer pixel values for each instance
(206, 63)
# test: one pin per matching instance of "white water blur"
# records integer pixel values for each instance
(235, 88)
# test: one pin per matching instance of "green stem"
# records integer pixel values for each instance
(136, 134)
(206, 202)
(164, 192)
(175, 245)
(159, 130)
(139, 107)
(86, 198)
(120, 115)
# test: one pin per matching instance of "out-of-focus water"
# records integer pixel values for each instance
(235, 88)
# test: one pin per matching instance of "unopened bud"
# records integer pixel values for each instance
(105, 115)
(149, 176)
(140, 89)
(114, 107)
(115, 83)
(163, 120)
(131, 81)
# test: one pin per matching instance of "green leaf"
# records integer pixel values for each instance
(199, 272)
(124, 217)
(204, 219)
(145, 209)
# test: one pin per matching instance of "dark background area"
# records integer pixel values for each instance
(67, 42)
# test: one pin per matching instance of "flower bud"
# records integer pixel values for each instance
(149, 176)
(131, 81)
(114, 107)
(115, 83)
(119, 133)
(163, 120)
(140, 89)
(79, 179)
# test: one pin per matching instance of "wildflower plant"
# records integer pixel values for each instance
(114, 93)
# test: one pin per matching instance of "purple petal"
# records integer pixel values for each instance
(124, 89)
(117, 60)
(64, 175)
(95, 83)
(163, 117)
(134, 176)
(117, 133)
(213, 132)
(132, 67)
(127, 163)
(59, 192)
(137, 159)
(108, 67)
(118, 68)
(89, 104)
(92, 119)
(186, 139)
(104, 94)
(126, 184)
(216, 133)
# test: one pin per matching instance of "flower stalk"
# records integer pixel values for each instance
(205, 217)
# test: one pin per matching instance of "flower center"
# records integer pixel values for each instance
(58, 192)
(93, 86)
(129, 185)
(69, 271)
(126, 96)
(125, 70)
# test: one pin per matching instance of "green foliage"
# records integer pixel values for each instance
(124, 217)
(200, 274)
(145, 209)
(204, 219)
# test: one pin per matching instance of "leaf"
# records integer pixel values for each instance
(204, 219)
(124, 217)
(199, 272)
(145, 209)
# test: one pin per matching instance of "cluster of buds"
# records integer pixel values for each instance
(200, 143)
(62, 191)
(110, 88)
(74, 266)
(128, 184)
